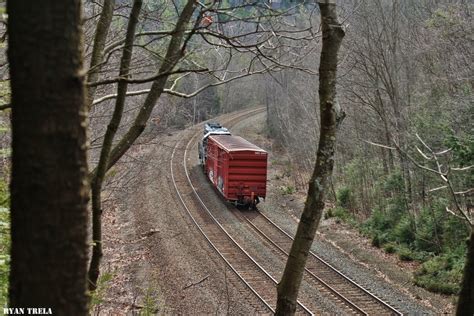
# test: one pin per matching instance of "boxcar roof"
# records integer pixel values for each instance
(235, 143)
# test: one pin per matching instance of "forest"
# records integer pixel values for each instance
(97, 98)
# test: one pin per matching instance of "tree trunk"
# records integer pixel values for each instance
(110, 156)
(466, 297)
(100, 38)
(94, 268)
(331, 116)
(174, 53)
(49, 189)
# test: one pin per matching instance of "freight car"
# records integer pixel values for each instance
(236, 167)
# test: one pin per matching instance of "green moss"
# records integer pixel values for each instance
(286, 190)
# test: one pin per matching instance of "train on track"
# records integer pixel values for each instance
(235, 167)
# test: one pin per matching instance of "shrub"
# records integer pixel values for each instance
(421, 256)
(378, 221)
(103, 284)
(428, 237)
(442, 273)
(379, 239)
(376, 241)
(390, 248)
(394, 183)
(455, 232)
(404, 231)
(340, 213)
(436, 285)
(396, 208)
(405, 254)
(343, 197)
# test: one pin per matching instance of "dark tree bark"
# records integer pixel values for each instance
(49, 189)
(331, 116)
(466, 297)
(96, 186)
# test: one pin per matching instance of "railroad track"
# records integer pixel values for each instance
(345, 290)
(254, 276)
(351, 297)
(319, 274)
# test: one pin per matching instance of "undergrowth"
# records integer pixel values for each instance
(430, 235)
(97, 296)
(4, 243)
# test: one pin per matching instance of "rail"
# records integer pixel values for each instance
(207, 238)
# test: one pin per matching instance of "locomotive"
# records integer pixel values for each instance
(235, 167)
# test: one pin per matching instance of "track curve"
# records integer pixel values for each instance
(255, 277)
(353, 298)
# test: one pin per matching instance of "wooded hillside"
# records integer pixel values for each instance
(144, 69)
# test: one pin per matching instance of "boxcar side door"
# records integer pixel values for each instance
(220, 169)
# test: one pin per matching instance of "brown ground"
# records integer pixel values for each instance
(157, 260)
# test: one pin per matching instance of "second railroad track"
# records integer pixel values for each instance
(347, 294)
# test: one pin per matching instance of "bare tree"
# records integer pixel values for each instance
(462, 208)
(49, 187)
(331, 116)
(97, 180)
(173, 61)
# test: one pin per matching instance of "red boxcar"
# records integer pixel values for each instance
(237, 168)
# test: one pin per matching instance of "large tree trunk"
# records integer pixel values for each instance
(49, 190)
(331, 116)
(466, 297)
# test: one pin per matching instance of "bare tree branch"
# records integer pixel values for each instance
(113, 96)
(143, 80)
(5, 106)
(465, 214)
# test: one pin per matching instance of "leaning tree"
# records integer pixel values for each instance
(331, 116)
(157, 57)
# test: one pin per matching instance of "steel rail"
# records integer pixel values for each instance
(318, 279)
(238, 116)
(224, 230)
(325, 263)
(337, 293)
(208, 239)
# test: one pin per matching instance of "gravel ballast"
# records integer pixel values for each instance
(158, 259)
(338, 245)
